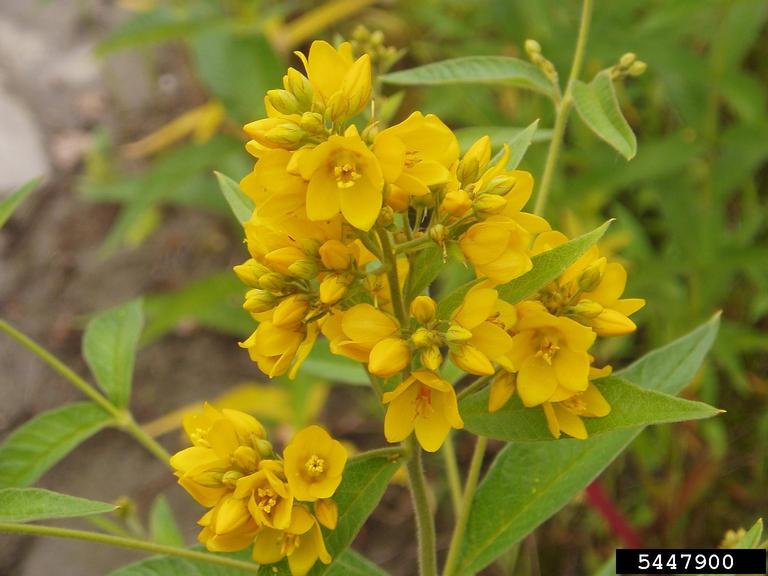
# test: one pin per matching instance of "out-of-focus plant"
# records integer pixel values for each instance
(350, 221)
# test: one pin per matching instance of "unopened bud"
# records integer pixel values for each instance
(283, 101)
(489, 204)
(422, 338)
(439, 234)
(586, 309)
(258, 301)
(423, 308)
(310, 246)
(332, 289)
(637, 68)
(285, 135)
(386, 216)
(281, 259)
(297, 84)
(264, 448)
(627, 59)
(456, 333)
(250, 271)
(273, 282)
(500, 185)
(532, 47)
(306, 269)
(231, 477)
(592, 275)
(290, 311)
(312, 123)
(431, 358)
(335, 255)
(246, 458)
(474, 161)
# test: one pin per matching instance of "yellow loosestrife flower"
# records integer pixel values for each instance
(269, 498)
(549, 353)
(424, 403)
(498, 248)
(344, 176)
(314, 463)
(275, 191)
(355, 332)
(565, 416)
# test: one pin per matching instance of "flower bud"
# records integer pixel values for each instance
(335, 255)
(356, 86)
(273, 282)
(290, 311)
(456, 202)
(439, 234)
(285, 135)
(423, 308)
(627, 59)
(310, 246)
(423, 338)
(637, 68)
(397, 198)
(474, 161)
(299, 86)
(258, 301)
(489, 204)
(332, 289)
(283, 101)
(386, 216)
(431, 358)
(502, 388)
(456, 333)
(231, 477)
(327, 513)
(388, 357)
(591, 276)
(500, 185)
(250, 271)
(282, 258)
(264, 448)
(586, 309)
(246, 458)
(312, 123)
(532, 47)
(303, 268)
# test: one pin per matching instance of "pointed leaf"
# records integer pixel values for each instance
(528, 483)
(425, 266)
(109, 346)
(598, 107)
(498, 135)
(753, 537)
(162, 525)
(352, 563)
(500, 70)
(518, 146)
(631, 406)
(32, 449)
(28, 504)
(242, 206)
(8, 205)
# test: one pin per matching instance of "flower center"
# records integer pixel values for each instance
(315, 465)
(411, 158)
(548, 349)
(424, 402)
(288, 543)
(345, 172)
(266, 499)
(576, 405)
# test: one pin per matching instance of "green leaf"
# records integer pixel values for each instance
(546, 267)
(500, 70)
(28, 504)
(351, 563)
(365, 480)
(528, 483)
(173, 566)
(109, 346)
(549, 265)
(8, 205)
(753, 537)
(631, 407)
(242, 206)
(162, 525)
(598, 107)
(498, 135)
(324, 364)
(425, 267)
(33, 448)
(214, 302)
(608, 568)
(518, 146)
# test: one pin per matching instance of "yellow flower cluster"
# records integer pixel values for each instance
(255, 498)
(342, 207)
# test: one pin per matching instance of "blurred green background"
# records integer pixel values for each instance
(691, 210)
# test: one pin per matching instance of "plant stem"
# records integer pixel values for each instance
(425, 527)
(451, 562)
(398, 304)
(390, 452)
(131, 543)
(563, 109)
(477, 384)
(452, 471)
(123, 418)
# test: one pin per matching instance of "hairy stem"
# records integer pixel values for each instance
(123, 419)
(452, 472)
(563, 109)
(131, 543)
(452, 561)
(425, 526)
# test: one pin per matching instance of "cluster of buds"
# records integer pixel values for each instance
(383, 57)
(533, 50)
(628, 65)
(277, 505)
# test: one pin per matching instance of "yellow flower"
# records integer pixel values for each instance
(276, 192)
(480, 327)
(565, 416)
(276, 349)
(501, 390)
(388, 357)
(302, 542)
(549, 352)
(423, 402)
(228, 526)
(268, 496)
(227, 445)
(354, 332)
(418, 153)
(423, 308)
(344, 176)
(590, 290)
(341, 84)
(314, 464)
(327, 512)
(498, 248)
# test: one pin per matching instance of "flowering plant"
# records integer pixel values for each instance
(422, 266)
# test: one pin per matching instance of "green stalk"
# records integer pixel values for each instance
(452, 561)
(452, 471)
(130, 543)
(563, 109)
(425, 526)
(123, 419)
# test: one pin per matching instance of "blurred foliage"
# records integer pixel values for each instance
(691, 208)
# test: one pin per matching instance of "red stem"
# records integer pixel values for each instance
(599, 499)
